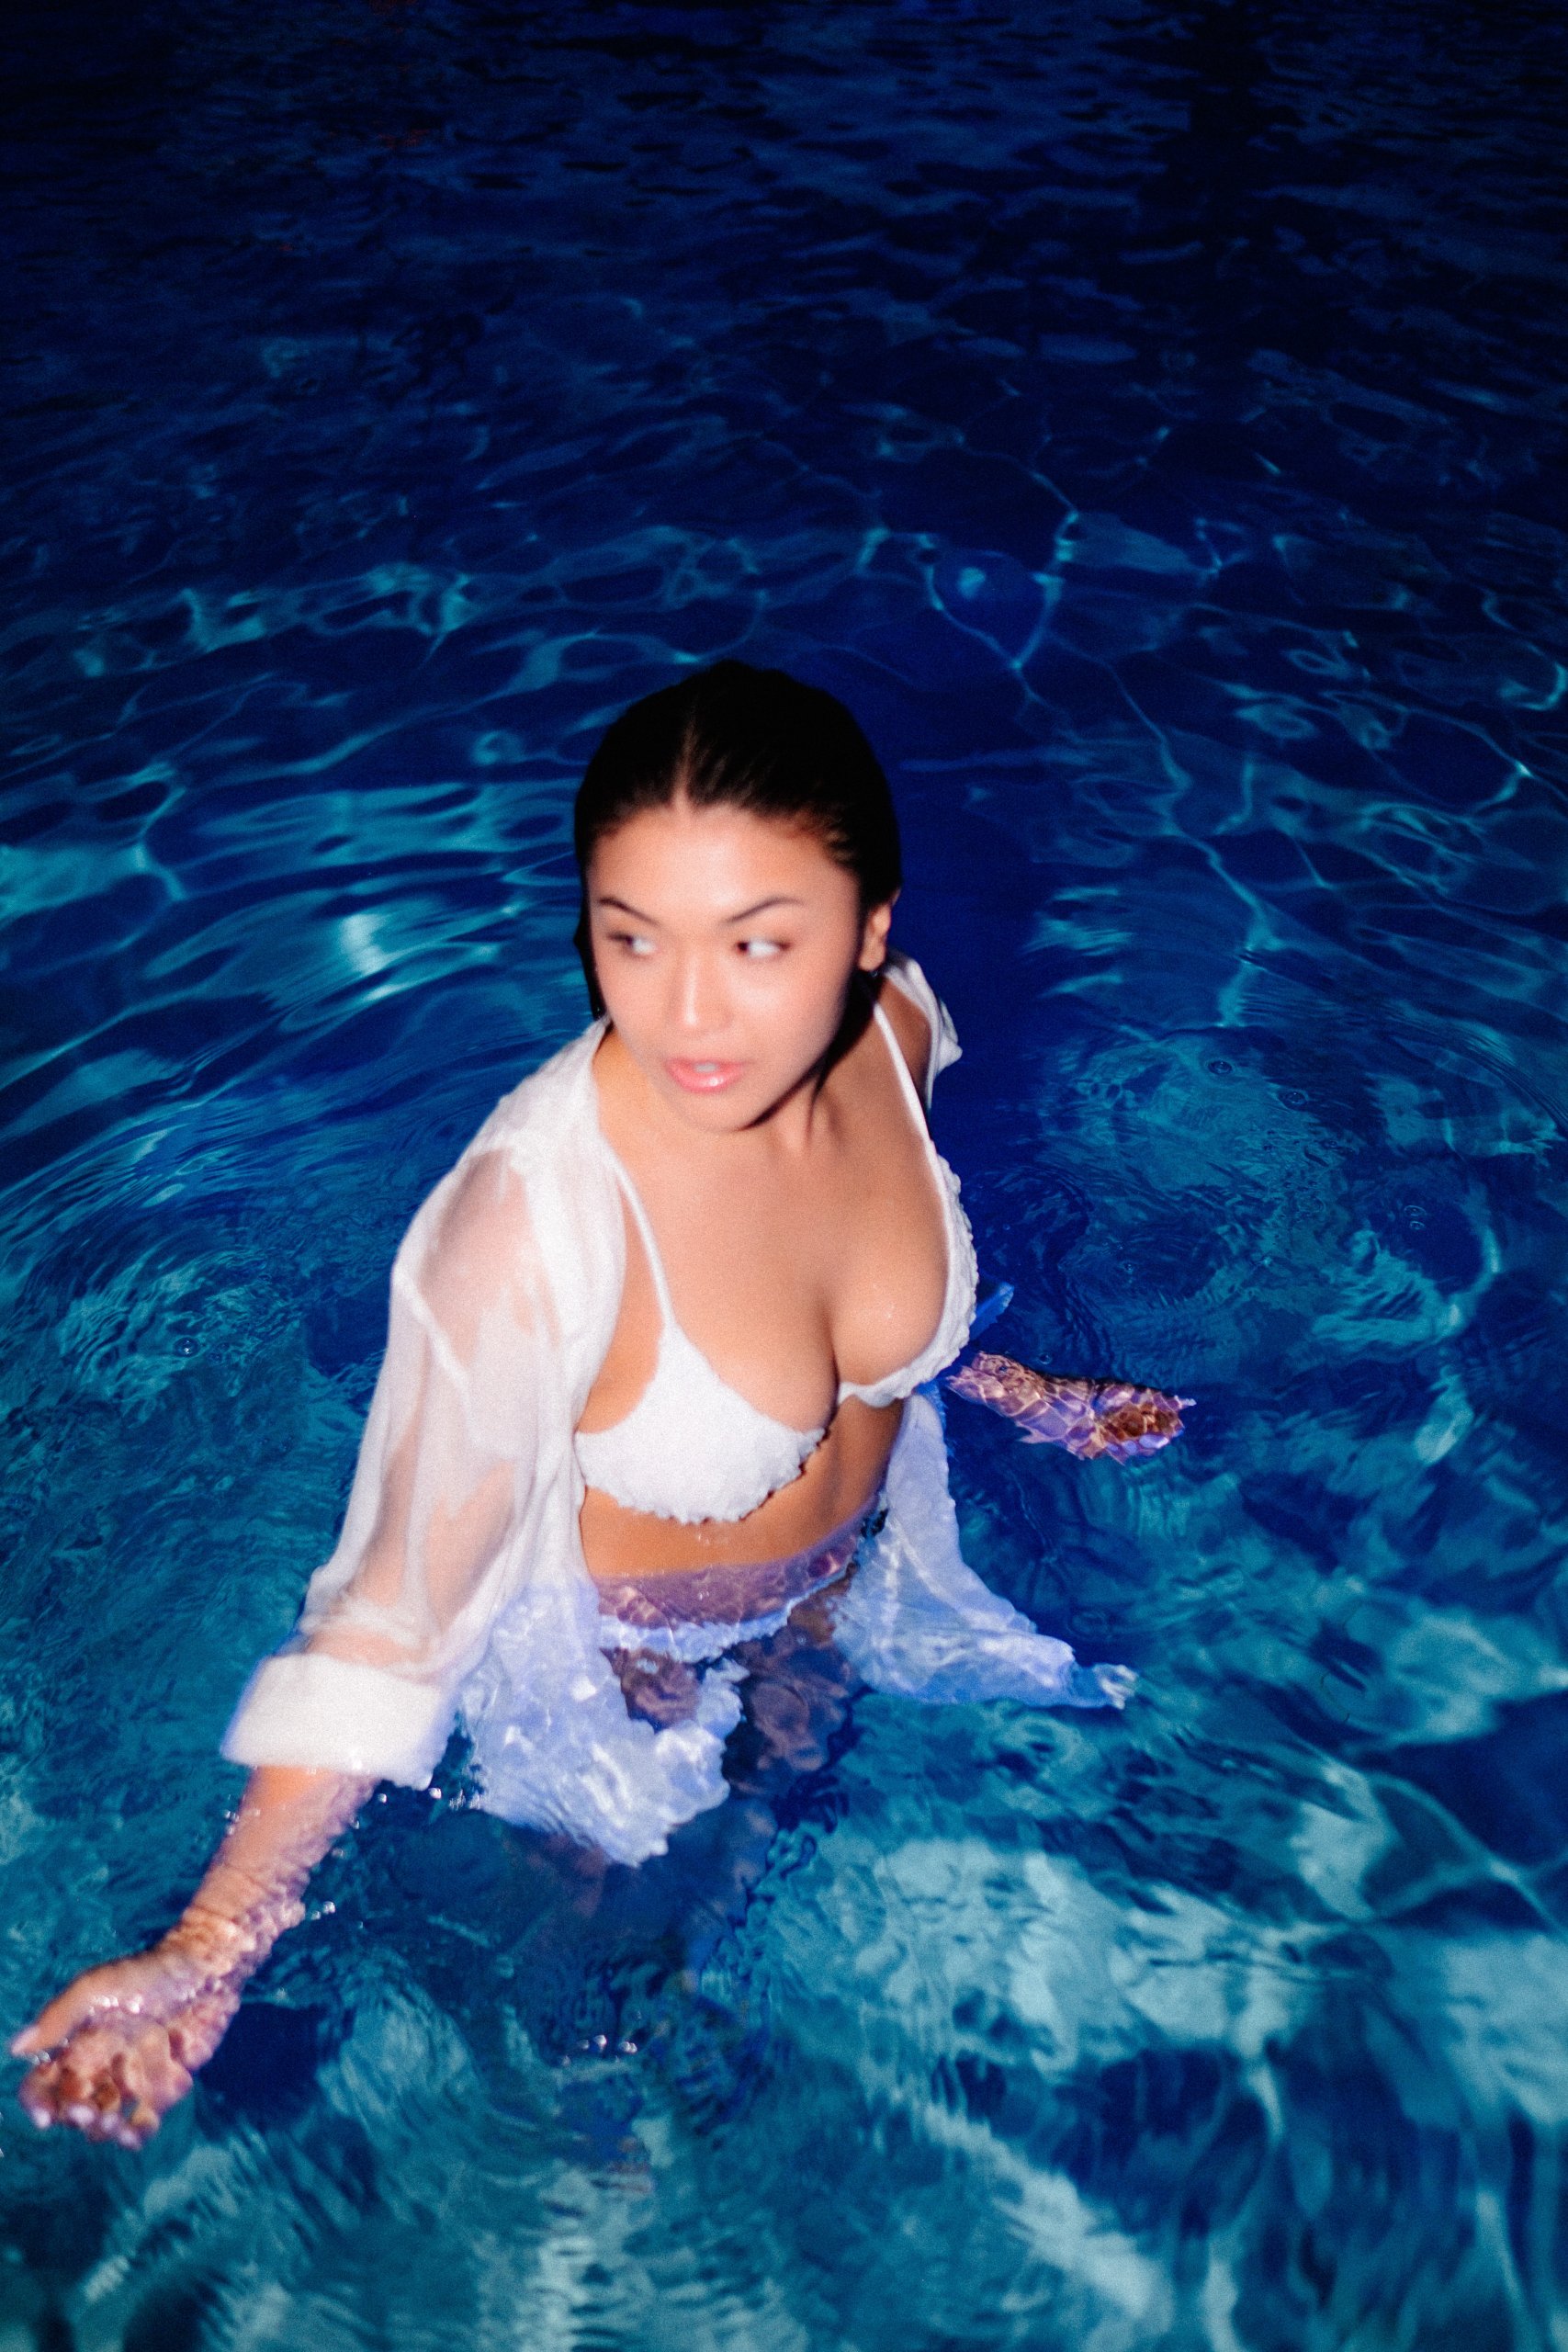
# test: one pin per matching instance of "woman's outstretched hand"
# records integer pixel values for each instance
(1087, 1417)
(119, 2047)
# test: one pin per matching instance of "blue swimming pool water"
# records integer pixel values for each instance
(1151, 418)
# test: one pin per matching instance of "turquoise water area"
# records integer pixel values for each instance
(1150, 415)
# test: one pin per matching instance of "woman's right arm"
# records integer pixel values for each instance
(119, 2047)
(366, 1690)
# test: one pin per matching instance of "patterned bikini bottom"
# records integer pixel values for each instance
(658, 1631)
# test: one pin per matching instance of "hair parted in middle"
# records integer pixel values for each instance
(732, 736)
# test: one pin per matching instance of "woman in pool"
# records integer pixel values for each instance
(651, 1384)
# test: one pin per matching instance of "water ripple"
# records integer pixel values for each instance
(1153, 420)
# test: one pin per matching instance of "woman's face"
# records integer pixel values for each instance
(725, 944)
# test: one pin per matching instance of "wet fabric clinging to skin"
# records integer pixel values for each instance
(459, 1587)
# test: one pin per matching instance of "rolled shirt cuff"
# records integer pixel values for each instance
(331, 1714)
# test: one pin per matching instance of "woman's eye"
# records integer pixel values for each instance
(759, 948)
(635, 942)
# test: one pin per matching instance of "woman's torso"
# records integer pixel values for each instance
(789, 1274)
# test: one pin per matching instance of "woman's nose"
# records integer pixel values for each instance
(699, 996)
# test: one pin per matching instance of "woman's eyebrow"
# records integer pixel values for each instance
(603, 899)
(762, 908)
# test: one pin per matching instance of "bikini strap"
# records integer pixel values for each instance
(639, 1215)
(912, 1092)
(651, 1247)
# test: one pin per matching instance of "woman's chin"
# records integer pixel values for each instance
(721, 1111)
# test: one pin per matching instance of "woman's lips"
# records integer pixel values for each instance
(705, 1078)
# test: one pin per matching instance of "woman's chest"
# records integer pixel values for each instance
(788, 1279)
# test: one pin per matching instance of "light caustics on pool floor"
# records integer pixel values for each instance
(1151, 420)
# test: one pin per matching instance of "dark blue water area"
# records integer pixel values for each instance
(1150, 416)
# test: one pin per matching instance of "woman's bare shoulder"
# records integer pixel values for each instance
(911, 1028)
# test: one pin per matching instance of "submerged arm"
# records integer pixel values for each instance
(366, 1690)
(119, 2047)
(1086, 1417)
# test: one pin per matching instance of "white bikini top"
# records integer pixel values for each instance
(691, 1448)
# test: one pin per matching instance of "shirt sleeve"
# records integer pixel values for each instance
(435, 1537)
(909, 980)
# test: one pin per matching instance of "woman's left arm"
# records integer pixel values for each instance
(1087, 1418)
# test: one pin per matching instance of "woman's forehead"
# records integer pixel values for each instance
(687, 853)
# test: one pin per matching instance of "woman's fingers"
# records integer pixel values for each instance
(111, 2082)
(1085, 1418)
(1135, 1421)
(38, 2094)
(149, 2082)
(140, 2125)
(1153, 1416)
(119, 2047)
(70, 2084)
(61, 2016)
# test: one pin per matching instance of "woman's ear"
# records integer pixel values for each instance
(874, 937)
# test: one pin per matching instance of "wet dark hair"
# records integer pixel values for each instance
(736, 737)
